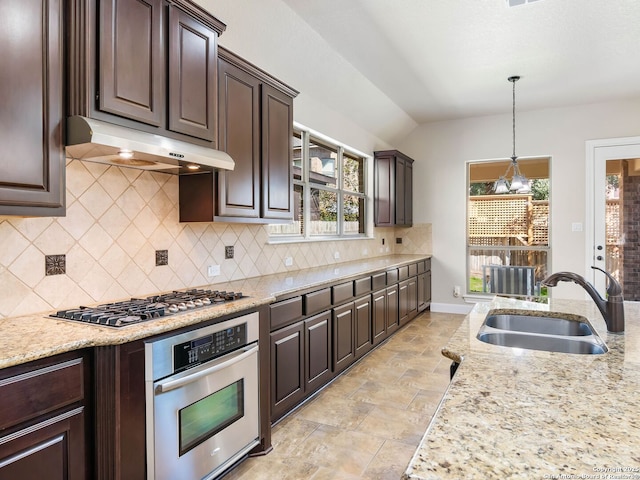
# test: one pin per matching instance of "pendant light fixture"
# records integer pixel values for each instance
(519, 183)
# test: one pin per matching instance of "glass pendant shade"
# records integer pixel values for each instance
(516, 183)
(526, 188)
(501, 186)
(519, 183)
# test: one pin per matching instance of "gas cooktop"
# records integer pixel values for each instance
(138, 310)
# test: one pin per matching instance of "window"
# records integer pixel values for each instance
(329, 190)
(507, 234)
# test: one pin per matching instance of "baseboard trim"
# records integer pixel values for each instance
(451, 308)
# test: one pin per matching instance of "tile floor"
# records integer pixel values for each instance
(368, 422)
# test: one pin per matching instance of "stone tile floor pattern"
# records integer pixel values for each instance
(368, 423)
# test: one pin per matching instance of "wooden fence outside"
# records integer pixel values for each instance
(497, 222)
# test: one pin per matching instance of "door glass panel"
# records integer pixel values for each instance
(613, 220)
(206, 417)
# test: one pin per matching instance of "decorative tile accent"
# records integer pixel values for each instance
(228, 252)
(55, 264)
(162, 257)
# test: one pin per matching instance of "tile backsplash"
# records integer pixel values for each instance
(118, 218)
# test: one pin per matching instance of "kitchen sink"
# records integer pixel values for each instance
(538, 324)
(537, 331)
(548, 343)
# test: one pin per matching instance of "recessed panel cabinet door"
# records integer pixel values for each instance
(132, 59)
(192, 77)
(277, 134)
(51, 449)
(362, 324)
(318, 350)
(239, 112)
(32, 159)
(343, 336)
(287, 368)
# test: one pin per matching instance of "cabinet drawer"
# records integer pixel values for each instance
(392, 276)
(413, 269)
(403, 273)
(285, 312)
(361, 286)
(317, 301)
(31, 393)
(421, 267)
(341, 293)
(378, 281)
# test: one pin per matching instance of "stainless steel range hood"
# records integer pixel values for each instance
(97, 141)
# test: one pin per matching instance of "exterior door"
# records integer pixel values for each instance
(599, 154)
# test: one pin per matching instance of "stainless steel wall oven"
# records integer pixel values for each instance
(202, 399)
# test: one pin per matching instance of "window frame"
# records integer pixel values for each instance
(469, 248)
(307, 137)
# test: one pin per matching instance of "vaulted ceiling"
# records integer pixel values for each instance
(444, 59)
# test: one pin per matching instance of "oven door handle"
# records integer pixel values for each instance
(236, 357)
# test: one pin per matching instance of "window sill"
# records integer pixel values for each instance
(276, 241)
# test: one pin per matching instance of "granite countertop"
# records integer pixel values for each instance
(515, 413)
(27, 338)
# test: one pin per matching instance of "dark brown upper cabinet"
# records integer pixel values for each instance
(393, 189)
(146, 64)
(192, 76)
(131, 50)
(255, 115)
(32, 161)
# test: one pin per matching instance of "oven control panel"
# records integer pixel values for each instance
(207, 347)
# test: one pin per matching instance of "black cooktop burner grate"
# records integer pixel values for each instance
(137, 310)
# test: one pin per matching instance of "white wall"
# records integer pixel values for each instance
(441, 150)
(270, 35)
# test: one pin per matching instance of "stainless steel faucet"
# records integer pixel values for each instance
(612, 308)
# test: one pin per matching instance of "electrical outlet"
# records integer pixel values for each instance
(336, 255)
(288, 261)
(228, 252)
(398, 240)
(456, 291)
(213, 270)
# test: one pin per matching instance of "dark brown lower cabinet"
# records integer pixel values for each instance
(120, 412)
(343, 333)
(317, 334)
(408, 299)
(384, 313)
(363, 333)
(424, 290)
(324, 341)
(393, 319)
(379, 315)
(44, 419)
(51, 449)
(287, 368)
